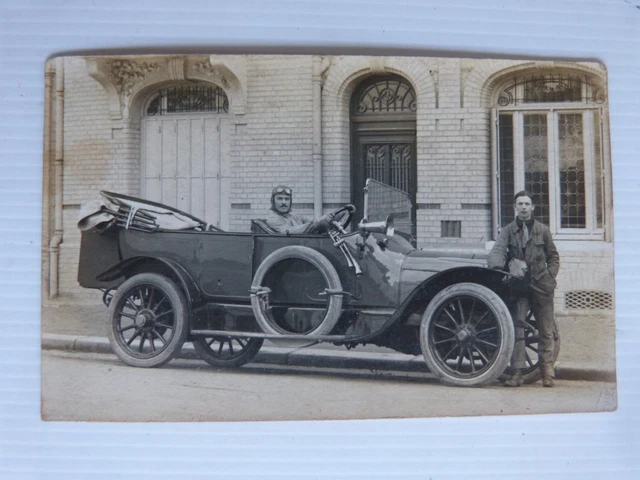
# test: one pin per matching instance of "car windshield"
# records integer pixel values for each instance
(381, 200)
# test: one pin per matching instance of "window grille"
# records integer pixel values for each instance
(451, 228)
(386, 96)
(550, 88)
(391, 164)
(588, 299)
(189, 99)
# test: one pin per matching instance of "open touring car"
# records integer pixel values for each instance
(169, 277)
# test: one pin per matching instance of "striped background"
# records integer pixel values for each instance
(573, 446)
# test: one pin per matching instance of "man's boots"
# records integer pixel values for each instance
(547, 374)
(515, 380)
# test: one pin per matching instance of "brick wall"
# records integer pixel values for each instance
(272, 143)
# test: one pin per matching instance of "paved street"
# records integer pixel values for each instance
(79, 386)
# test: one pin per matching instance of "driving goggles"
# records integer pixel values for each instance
(279, 190)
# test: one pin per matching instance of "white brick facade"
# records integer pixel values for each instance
(271, 141)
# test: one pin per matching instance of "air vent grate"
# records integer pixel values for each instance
(588, 299)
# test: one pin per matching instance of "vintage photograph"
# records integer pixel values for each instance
(318, 237)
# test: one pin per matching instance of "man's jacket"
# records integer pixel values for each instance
(540, 254)
(289, 223)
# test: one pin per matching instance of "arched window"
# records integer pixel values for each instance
(549, 142)
(188, 99)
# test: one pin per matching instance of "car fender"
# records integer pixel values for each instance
(162, 265)
(410, 310)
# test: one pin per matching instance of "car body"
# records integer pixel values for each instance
(228, 292)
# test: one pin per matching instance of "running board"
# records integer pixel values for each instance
(270, 336)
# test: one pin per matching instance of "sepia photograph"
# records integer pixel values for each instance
(324, 237)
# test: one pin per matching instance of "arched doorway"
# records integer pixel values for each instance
(185, 135)
(383, 133)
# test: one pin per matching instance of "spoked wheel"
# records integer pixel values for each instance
(531, 373)
(148, 320)
(220, 351)
(466, 335)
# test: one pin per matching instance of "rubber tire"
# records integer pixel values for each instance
(205, 352)
(326, 269)
(500, 311)
(535, 374)
(180, 326)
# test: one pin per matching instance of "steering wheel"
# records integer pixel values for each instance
(345, 215)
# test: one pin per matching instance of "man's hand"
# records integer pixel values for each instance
(517, 268)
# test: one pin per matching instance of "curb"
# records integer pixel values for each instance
(315, 358)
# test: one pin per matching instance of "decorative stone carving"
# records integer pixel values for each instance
(125, 74)
(204, 66)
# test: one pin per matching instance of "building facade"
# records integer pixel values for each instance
(212, 135)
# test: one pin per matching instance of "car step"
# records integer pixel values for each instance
(230, 333)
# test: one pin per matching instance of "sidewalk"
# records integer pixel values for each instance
(586, 351)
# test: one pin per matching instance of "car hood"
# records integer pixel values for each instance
(438, 260)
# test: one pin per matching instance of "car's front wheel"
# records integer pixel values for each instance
(148, 320)
(467, 335)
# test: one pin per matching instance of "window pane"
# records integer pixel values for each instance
(505, 142)
(536, 163)
(571, 164)
(597, 159)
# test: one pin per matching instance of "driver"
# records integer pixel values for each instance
(282, 220)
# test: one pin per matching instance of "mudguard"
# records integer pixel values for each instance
(184, 279)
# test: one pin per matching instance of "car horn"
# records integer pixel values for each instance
(385, 227)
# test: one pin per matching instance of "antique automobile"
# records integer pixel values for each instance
(169, 277)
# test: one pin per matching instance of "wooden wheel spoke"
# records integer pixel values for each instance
(160, 337)
(473, 363)
(132, 305)
(529, 361)
(163, 314)
(445, 328)
(485, 342)
(155, 309)
(482, 355)
(124, 329)
(477, 322)
(446, 357)
(452, 339)
(471, 311)
(133, 337)
(460, 358)
(451, 317)
(461, 311)
(478, 332)
(143, 337)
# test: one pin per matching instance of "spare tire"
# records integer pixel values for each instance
(260, 292)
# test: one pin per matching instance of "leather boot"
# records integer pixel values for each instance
(547, 375)
(515, 380)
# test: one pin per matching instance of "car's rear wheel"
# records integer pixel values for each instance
(220, 351)
(467, 335)
(148, 320)
(531, 372)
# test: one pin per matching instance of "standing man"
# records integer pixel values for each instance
(281, 219)
(525, 248)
